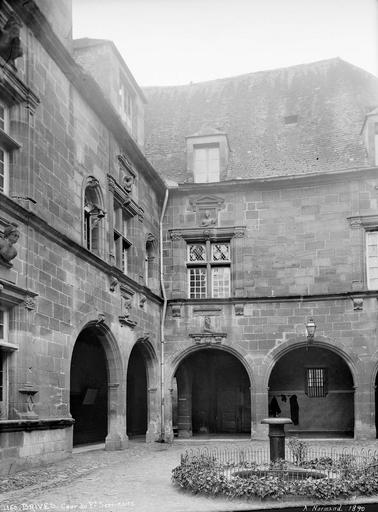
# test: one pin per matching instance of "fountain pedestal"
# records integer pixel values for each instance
(277, 436)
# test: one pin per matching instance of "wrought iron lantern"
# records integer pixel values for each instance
(310, 329)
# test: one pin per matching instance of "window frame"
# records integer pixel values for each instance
(5, 147)
(369, 278)
(207, 173)
(208, 264)
(121, 243)
(316, 391)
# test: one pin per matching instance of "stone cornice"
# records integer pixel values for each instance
(21, 214)
(364, 221)
(38, 424)
(365, 294)
(12, 295)
(31, 15)
(213, 233)
(277, 182)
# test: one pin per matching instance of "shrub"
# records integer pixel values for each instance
(299, 449)
(205, 475)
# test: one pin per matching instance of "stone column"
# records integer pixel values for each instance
(117, 438)
(184, 412)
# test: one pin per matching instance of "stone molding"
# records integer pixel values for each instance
(18, 212)
(214, 233)
(363, 221)
(36, 424)
(12, 295)
(122, 197)
(208, 338)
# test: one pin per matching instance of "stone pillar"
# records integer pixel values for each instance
(364, 427)
(117, 438)
(184, 387)
(277, 437)
(261, 412)
(153, 427)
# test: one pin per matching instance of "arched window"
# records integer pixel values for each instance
(93, 215)
(150, 267)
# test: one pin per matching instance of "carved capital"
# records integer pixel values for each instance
(358, 303)
(239, 309)
(176, 235)
(239, 232)
(125, 320)
(176, 310)
(29, 303)
(113, 283)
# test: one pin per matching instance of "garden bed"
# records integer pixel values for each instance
(237, 476)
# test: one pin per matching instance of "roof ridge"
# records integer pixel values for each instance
(318, 63)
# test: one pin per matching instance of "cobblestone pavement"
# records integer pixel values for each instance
(135, 480)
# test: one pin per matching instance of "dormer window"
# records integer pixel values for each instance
(206, 163)
(370, 135)
(126, 103)
(207, 155)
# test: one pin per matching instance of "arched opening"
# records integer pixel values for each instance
(314, 387)
(136, 401)
(93, 215)
(213, 395)
(89, 388)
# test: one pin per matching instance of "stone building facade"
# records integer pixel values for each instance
(80, 293)
(271, 225)
(162, 250)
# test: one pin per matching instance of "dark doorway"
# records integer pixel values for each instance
(313, 387)
(136, 393)
(89, 389)
(213, 394)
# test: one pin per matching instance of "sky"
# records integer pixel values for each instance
(173, 42)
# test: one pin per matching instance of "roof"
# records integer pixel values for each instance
(88, 42)
(330, 99)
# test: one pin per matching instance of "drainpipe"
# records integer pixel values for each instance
(162, 340)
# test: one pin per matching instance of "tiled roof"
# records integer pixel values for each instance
(257, 112)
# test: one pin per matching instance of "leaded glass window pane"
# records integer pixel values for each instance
(197, 283)
(196, 252)
(220, 282)
(220, 252)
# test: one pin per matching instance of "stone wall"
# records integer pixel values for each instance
(59, 287)
(298, 251)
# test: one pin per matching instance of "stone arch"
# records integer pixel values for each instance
(338, 375)
(374, 397)
(149, 380)
(116, 427)
(277, 352)
(176, 368)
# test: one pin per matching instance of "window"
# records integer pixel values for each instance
(209, 270)
(316, 382)
(121, 242)
(126, 103)
(4, 154)
(93, 215)
(372, 259)
(206, 163)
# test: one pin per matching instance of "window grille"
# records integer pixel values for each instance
(316, 382)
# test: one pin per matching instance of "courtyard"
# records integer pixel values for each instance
(136, 479)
